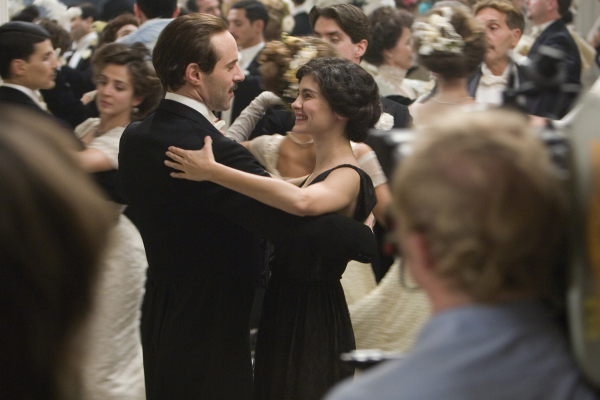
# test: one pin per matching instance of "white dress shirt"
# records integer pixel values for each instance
(80, 47)
(490, 87)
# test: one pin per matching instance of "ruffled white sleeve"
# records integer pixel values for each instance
(241, 129)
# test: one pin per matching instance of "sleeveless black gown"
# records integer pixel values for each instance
(305, 325)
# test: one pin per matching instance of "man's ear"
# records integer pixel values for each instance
(259, 26)
(516, 37)
(361, 48)
(176, 12)
(193, 74)
(18, 68)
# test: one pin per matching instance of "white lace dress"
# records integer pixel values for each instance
(113, 364)
(384, 316)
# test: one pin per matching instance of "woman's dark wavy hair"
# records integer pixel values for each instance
(350, 91)
(387, 24)
(143, 77)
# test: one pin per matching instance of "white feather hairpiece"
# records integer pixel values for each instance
(59, 12)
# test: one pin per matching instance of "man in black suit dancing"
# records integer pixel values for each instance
(203, 242)
(27, 64)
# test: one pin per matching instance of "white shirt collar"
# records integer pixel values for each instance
(487, 72)
(247, 55)
(34, 95)
(193, 104)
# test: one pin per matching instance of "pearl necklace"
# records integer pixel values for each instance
(297, 141)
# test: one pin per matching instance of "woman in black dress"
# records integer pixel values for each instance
(305, 324)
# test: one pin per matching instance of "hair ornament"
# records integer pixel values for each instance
(304, 55)
(437, 34)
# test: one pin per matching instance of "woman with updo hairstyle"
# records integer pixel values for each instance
(127, 89)
(389, 55)
(305, 325)
(451, 43)
(269, 119)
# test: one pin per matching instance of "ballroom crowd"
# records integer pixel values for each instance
(209, 200)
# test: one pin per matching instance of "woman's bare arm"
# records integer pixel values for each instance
(331, 195)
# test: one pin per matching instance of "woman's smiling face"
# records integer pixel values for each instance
(313, 113)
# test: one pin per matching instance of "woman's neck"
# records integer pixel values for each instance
(332, 150)
(451, 90)
(108, 122)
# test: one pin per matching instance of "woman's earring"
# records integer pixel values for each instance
(135, 110)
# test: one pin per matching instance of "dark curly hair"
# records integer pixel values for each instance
(58, 35)
(143, 78)
(350, 91)
(387, 24)
(109, 33)
(450, 65)
(275, 60)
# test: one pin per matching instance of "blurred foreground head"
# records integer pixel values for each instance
(481, 202)
(52, 232)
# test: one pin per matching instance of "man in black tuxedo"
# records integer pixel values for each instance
(247, 21)
(203, 242)
(551, 31)
(27, 64)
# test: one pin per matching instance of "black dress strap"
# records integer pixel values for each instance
(366, 200)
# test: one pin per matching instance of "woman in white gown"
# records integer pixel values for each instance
(127, 88)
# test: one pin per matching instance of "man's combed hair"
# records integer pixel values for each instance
(481, 189)
(514, 16)
(350, 91)
(186, 40)
(255, 10)
(351, 19)
(17, 42)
